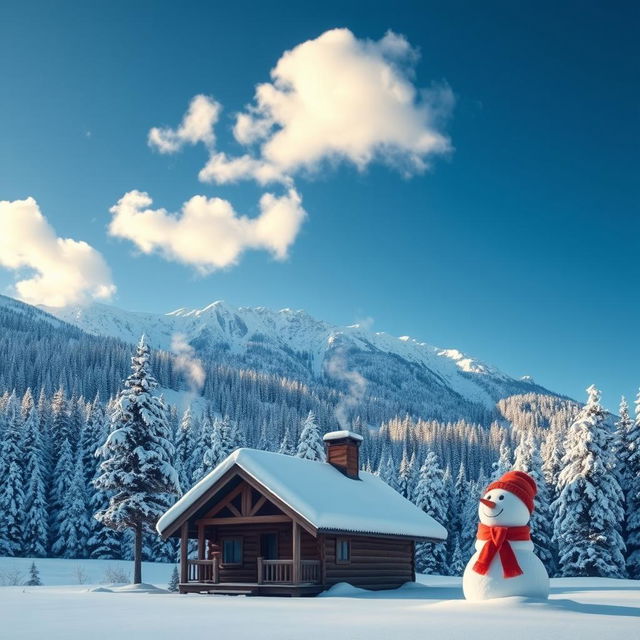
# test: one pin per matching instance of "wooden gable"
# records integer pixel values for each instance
(239, 499)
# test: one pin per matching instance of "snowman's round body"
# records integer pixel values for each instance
(532, 583)
(509, 511)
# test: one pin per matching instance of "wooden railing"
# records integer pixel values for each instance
(275, 571)
(202, 570)
(281, 571)
(310, 571)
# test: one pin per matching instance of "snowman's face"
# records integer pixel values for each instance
(509, 511)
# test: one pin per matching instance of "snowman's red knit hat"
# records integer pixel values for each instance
(520, 484)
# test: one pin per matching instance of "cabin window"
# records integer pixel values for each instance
(269, 546)
(343, 551)
(232, 551)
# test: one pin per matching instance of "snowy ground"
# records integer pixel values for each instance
(579, 608)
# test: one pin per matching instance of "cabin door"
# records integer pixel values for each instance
(269, 546)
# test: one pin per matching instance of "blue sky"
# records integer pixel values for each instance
(519, 246)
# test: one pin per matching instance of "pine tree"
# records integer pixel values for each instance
(430, 495)
(589, 505)
(36, 513)
(405, 473)
(34, 576)
(457, 562)
(631, 460)
(216, 452)
(310, 445)
(504, 461)
(528, 459)
(183, 447)
(12, 486)
(73, 529)
(174, 581)
(138, 453)
(286, 446)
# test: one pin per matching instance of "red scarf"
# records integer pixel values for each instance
(496, 538)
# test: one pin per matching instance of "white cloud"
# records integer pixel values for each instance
(197, 126)
(208, 233)
(66, 271)
(335, 98)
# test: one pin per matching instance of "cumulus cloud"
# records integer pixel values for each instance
(208, 233)
(63, 271)
(335, 98)
(197, 126)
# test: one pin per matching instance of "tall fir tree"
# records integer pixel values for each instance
(73, 528)
(529, 460)
(430, 495)
(137, 469)
(310, 445)
(36, 507)
(631, 461)
(12, 486)
(405, 473)
(589, 507)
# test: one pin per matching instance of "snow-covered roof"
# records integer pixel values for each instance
(338, 435)
(321, 495)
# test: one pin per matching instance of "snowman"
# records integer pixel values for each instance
(504, 563)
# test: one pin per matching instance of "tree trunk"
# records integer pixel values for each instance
(137, 555)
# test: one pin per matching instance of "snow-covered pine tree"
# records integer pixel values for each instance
(174, 581)
(430, 495)
(552, 452)
(404, 475)
(456, 562)
(589, 507)
(73, 530)
(215, 453)
(104, 542)
(503, 463)
(468, 499)
(183, 447)
(36, 508)
(92, 436)
(137, 467)
(62, 479)
(623, 426)
(310, 445)
(529, 460)
(12, 486)
(632, 493)
(34, 576)
(287, 446)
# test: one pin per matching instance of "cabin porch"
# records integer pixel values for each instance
(245, 544)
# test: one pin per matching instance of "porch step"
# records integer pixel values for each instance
(229, 592)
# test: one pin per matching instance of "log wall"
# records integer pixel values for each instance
(376, 563)
(250, 534)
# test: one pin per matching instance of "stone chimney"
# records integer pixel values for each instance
(342, 451)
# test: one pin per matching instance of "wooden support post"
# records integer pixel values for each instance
(260, 574)
(184, 552)
(295, 570)
(201, 545)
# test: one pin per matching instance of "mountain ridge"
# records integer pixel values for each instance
(292, 342)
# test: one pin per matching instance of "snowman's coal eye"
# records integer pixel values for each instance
(488, 497)
(501, 498)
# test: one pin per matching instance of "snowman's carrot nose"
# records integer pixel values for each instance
(488, 503)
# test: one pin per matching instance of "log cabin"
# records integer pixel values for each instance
(272, 524)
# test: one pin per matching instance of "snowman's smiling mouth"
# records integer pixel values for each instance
(495, 515)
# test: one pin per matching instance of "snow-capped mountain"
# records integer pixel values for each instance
(295, 345)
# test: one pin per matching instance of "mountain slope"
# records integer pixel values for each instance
(374, 374)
